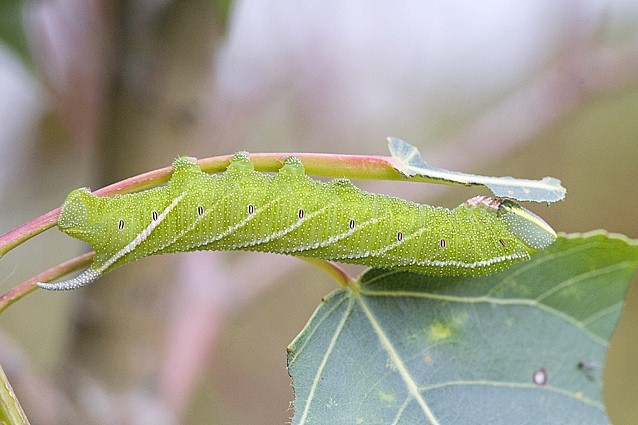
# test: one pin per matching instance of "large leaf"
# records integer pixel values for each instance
(524, 346)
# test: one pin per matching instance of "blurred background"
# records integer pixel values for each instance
(93, 91)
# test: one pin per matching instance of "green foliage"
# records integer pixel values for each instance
(526, 345)
(11, 26)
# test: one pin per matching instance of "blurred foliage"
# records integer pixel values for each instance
(12, 27)
(223, 8)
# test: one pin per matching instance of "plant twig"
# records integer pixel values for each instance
(58, 271)
(332, 269)
(10, 410)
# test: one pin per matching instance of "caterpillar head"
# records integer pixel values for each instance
(529, 227)
(532, 230)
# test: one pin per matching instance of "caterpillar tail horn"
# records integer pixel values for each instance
(86, 277)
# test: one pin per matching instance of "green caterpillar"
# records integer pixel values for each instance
(290, 213)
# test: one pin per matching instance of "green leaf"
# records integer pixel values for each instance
(403, 348)
(410, 164)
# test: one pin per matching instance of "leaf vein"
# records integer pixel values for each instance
(324, 361)
(497, 301)
(398, 363)
(519, 385)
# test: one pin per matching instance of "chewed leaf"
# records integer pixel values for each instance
(411, 164)
(526, 345)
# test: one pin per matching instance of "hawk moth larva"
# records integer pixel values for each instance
(290, 213)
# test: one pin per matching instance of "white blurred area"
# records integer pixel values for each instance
(22, 103)
(341, 76)
(310, 73)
